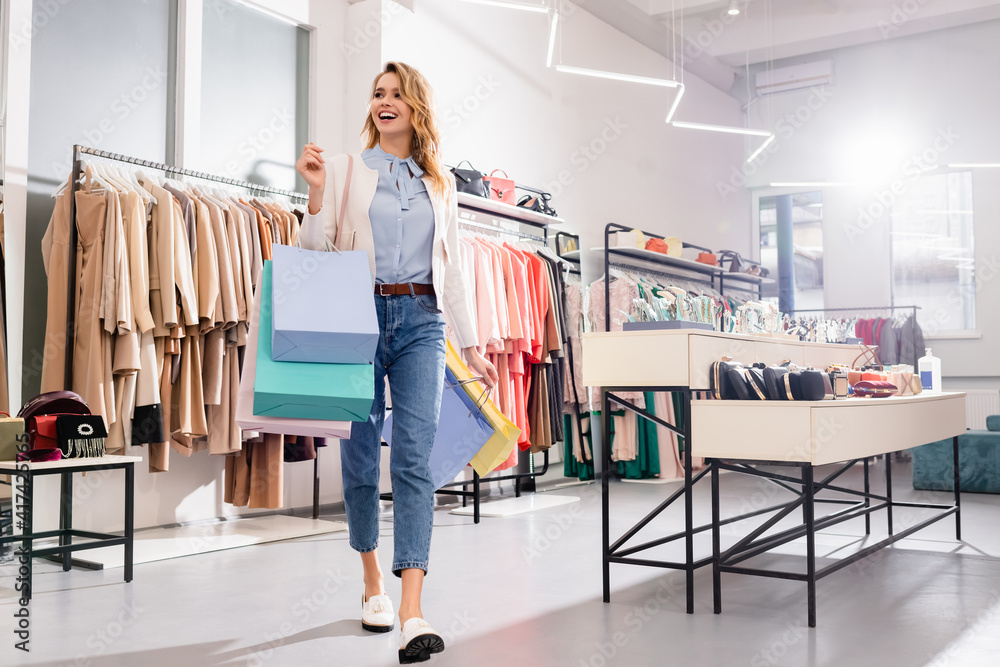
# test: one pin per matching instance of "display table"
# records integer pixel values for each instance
(737, 435)
(23, 505)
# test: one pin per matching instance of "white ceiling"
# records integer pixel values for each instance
(717, 46)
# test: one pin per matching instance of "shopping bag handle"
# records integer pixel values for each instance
(482, 400)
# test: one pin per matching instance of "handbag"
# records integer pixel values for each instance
(470, 181)
(774, 381)
(756, 383)
(11, 435)
(75, 436)
(739, 383)
(707, 258)
(501, 189)
(874, 389)
(539, 203)
(805, 385)
(657, 245)
(718, 379)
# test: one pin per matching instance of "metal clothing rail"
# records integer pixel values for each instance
(847, 310)
(501, 230)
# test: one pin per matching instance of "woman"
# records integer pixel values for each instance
(401, 209)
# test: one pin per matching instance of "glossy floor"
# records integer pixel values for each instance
(526, 590)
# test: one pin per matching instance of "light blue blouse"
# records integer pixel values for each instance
(402, 219)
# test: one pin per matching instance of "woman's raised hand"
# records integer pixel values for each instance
(312, 168)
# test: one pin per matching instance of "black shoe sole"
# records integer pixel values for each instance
(420, 649)
(377, 628)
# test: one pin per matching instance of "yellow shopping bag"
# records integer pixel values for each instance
(498, 448)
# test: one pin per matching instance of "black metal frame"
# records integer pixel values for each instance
(66, 532)
(756, 542)
(714, 272)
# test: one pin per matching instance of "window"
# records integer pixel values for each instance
(933, 259)
(804, 261)
(254, 94)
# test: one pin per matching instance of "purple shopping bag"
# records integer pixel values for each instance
(462, 432)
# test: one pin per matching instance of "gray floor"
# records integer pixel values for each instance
(525, 590)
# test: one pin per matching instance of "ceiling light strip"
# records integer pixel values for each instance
(631, 78)
(552, 39)
(721, 128)
(767, 142)
(811, 184)
(677, 101)
(510, 5)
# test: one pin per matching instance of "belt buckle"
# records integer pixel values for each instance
(381, 290)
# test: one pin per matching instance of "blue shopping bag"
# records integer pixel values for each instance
(330, 392)
(462, 432)
(324, 308)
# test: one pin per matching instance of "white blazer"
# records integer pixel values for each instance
(356, 234)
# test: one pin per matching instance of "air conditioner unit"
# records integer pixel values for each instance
(796, 77)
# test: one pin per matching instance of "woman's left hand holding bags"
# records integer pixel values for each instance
(481, 366)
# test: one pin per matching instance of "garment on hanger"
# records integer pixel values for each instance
(165, 279)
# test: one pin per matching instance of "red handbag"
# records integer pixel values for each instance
(76, 436)
(501, 189)
(707, 258)
(874, 389)
(657, 245)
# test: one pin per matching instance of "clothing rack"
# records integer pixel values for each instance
(78, 153)
(575, 260)
(845, 310)
(501, 230)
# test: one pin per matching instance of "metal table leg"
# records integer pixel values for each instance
(868, 502)
(688, 504)
(28, 529)
(888, 490)
(129, 518)
(958, 491)
(66, 518)
(476, 497)
(605, 488)
(808, 508)
(716, 541)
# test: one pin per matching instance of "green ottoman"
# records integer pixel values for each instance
(978, 464)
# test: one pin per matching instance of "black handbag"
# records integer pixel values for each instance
(470, 181)
(805, 385)
(718, 380)
(539, 202)
(756, 383)
(774, 379)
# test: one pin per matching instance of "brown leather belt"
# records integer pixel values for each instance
(403, 289)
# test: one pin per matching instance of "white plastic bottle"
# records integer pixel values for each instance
(930, 372)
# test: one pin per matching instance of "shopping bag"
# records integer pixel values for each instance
(462, 432)
(501, 189)
(11, 433)
(248, 421)
(323, 308)
(337, 392)
(505, 433)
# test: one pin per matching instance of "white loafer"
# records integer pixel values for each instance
(377, 614)
(417, 641)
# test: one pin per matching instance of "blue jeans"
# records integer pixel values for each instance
(411, 352)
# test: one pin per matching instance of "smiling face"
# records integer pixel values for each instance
(389, 112)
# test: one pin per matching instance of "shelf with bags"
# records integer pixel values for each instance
(508, 211)
(684, 263)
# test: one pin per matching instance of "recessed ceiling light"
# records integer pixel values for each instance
(734, 8)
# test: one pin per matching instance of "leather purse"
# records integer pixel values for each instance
(470, 181)
(707, 258)
(739, 383)
(501, 189)
(804, 385)
(539, 203)
(718, 379)
(774, 381)
(76, 436)
(40, 455)
(755, 382)
(874, 389)
(657, 245)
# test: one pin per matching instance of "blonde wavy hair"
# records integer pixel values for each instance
(426, 144)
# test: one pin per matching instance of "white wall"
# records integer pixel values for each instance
(620, 162)
(891, 102)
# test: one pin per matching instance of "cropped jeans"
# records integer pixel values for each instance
(411, 353)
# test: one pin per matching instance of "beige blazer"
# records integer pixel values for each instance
(356, 234)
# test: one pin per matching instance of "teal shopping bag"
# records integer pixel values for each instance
(300, 390)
